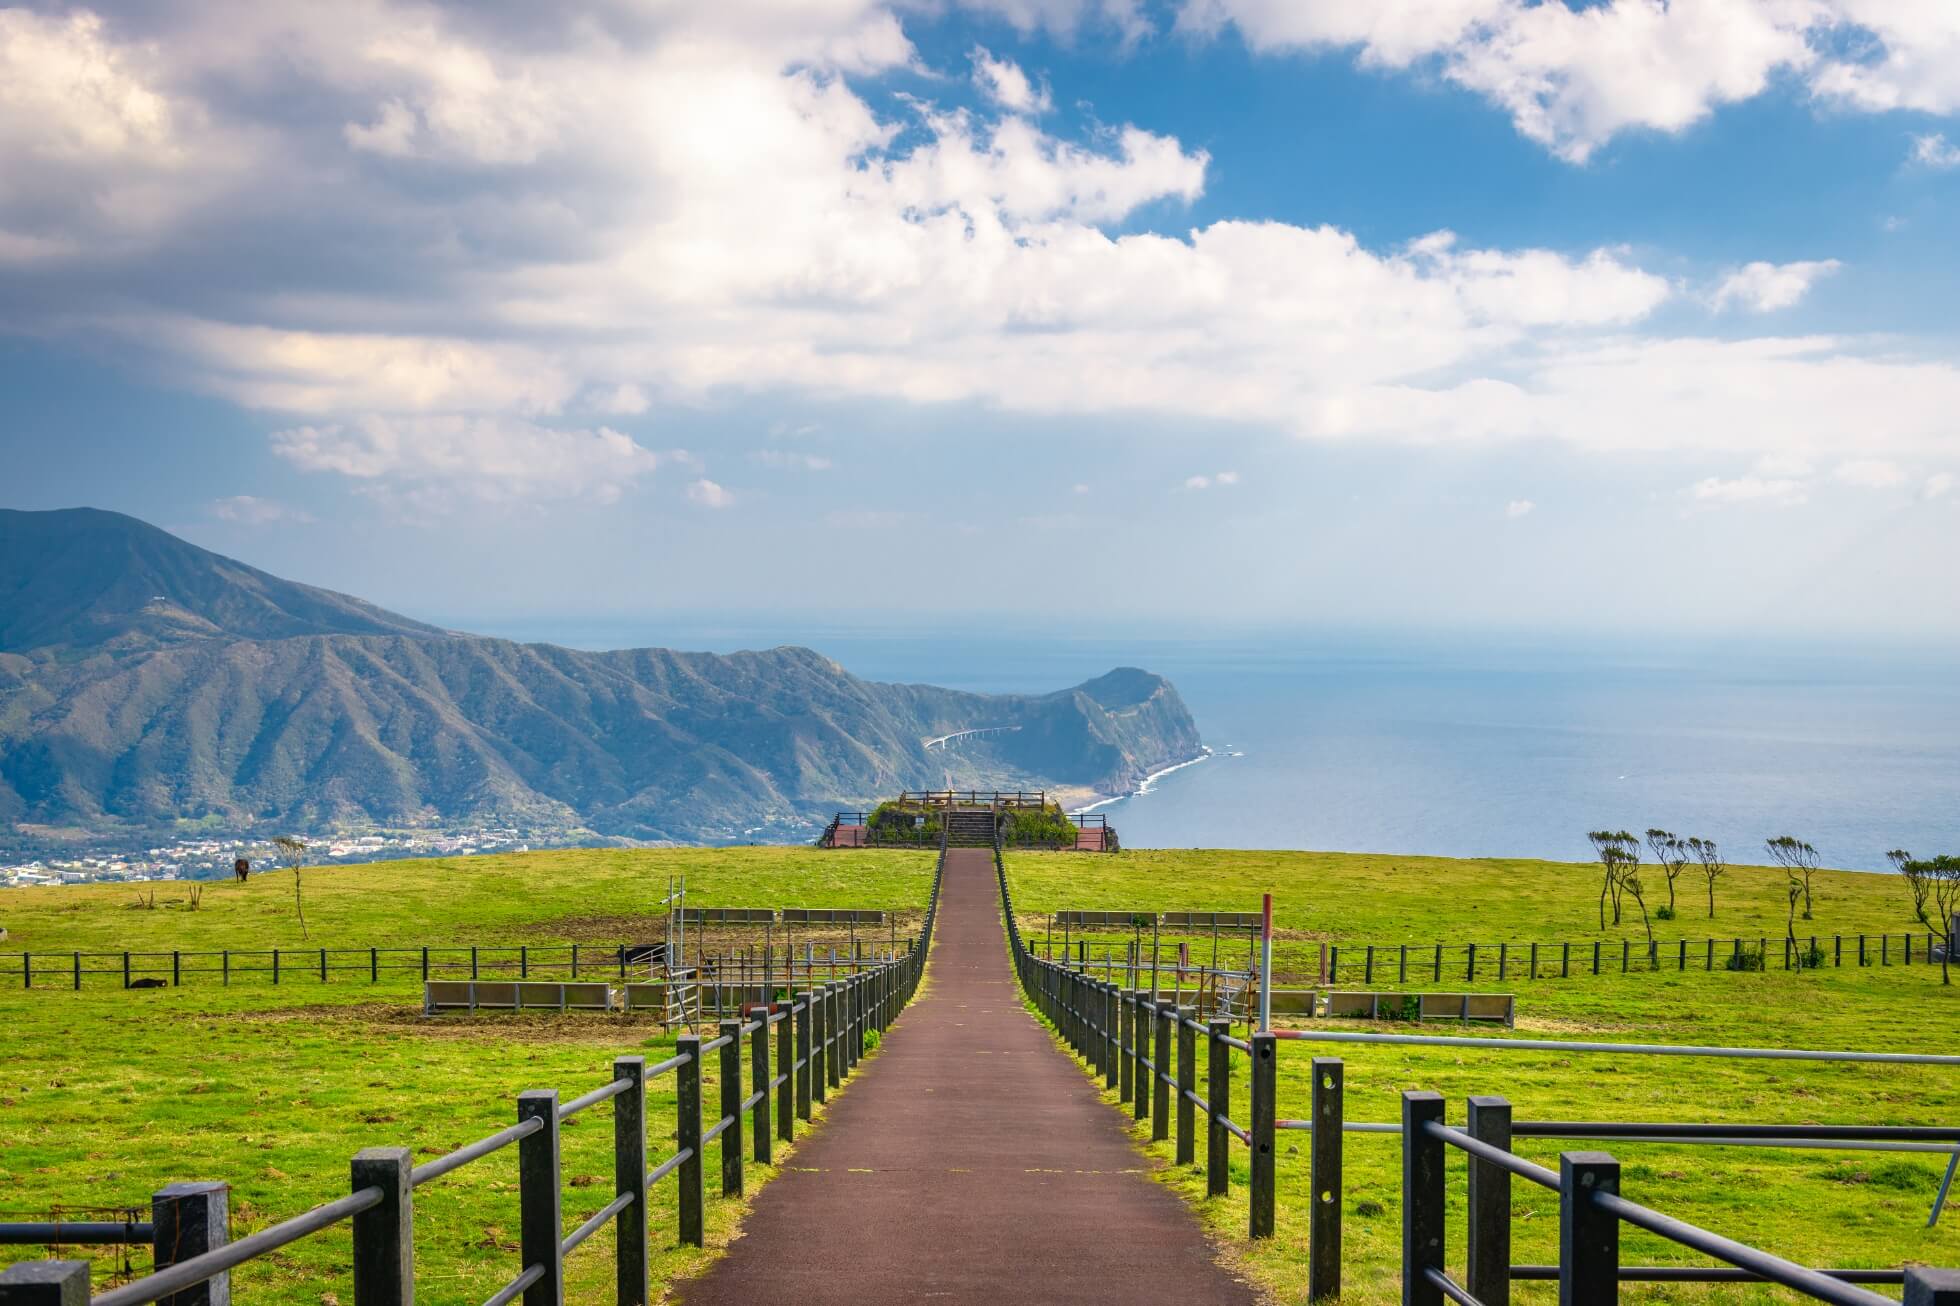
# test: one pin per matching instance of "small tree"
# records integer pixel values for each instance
(1671, 855)
(1713, 867)
(1937, 902)
(294, 851)
(1790, 922)
(1614, 850)
(1798, 860)
(1629, 859)
(1915, 874)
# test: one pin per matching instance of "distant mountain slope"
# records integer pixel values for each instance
(83, 578)
(243, 700)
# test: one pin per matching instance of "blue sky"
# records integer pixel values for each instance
(1447, 314)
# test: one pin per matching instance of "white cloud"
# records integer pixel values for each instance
(1226, 478)
(1003, 82)
(1573, 76)
(1081, 488)
(1781, 492)
(740, 221)
(249, 510)
(785, 459)
(487, 459)
(709, 495)
(1937, 485)
(1222, 480)
(1935, 151)
(1870, 473)
(1767, 287)
(1517, 508)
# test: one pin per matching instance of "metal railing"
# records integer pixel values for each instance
(1506, 961)
(1591, 1211)
(819, 1036)
(1146, 1050)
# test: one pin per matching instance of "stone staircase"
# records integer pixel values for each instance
(969, 827)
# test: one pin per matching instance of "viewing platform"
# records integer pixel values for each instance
(971, 818)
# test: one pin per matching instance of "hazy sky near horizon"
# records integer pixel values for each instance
(1494, 313)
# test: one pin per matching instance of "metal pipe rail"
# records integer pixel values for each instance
(109, 1233)
(1591, 1209)
(1124, 1039)
(1630, 1049)
(196, 1269)
(820, 1036)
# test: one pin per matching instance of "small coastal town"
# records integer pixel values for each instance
(206, 858)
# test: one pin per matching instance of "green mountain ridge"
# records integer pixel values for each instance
(145, 681)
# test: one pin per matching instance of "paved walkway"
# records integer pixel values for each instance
(969, 1161)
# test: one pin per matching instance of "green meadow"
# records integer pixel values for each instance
(107, 1095)
(1821, 1207)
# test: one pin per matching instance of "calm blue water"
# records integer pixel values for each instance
(1486, 748)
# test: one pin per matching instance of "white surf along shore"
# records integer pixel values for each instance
(1148, 782)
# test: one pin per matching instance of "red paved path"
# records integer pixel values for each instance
(969, 1161)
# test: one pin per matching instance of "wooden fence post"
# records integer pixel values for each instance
(759, 1084)
(45, 1283)
(188, 1220)
(804, 1053)
(833, 1047)
(540, 1217)
(384, 1235)
(1112, 1022)
(1488, 1257)
(1588, 1238)
(1422, 1199)
(1926, 1287)
(1126, 1019)
(634, 1287)
(687, 1136)
(1265, 1067)
(786, 1072)
(1160, 1104)
(731, 1106)
(1324, 1170)
(1187, 1086)
(1141, 1105)
(1218, 1107)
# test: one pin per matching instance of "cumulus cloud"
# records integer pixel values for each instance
(1221, 480)
(1935, 151)
(1781, 492)
(250, 510)
(709, 495)
(1767, 287)
(442, 225)
(1573, 76)
(789, 459)
(487, 459)
(1517, 508)
(1937, 485)
(1870, 473)
(1003, 82)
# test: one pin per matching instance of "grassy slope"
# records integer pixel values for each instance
(1824, 1207)
(108, 1095)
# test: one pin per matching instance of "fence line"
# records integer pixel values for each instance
(172, 967)
(1504, 962)
(1125, 1037)
(818, 1036)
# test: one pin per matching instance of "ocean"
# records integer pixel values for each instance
(1474, 747)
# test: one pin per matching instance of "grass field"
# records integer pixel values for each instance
(1824, 1208)
(107, 1094)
